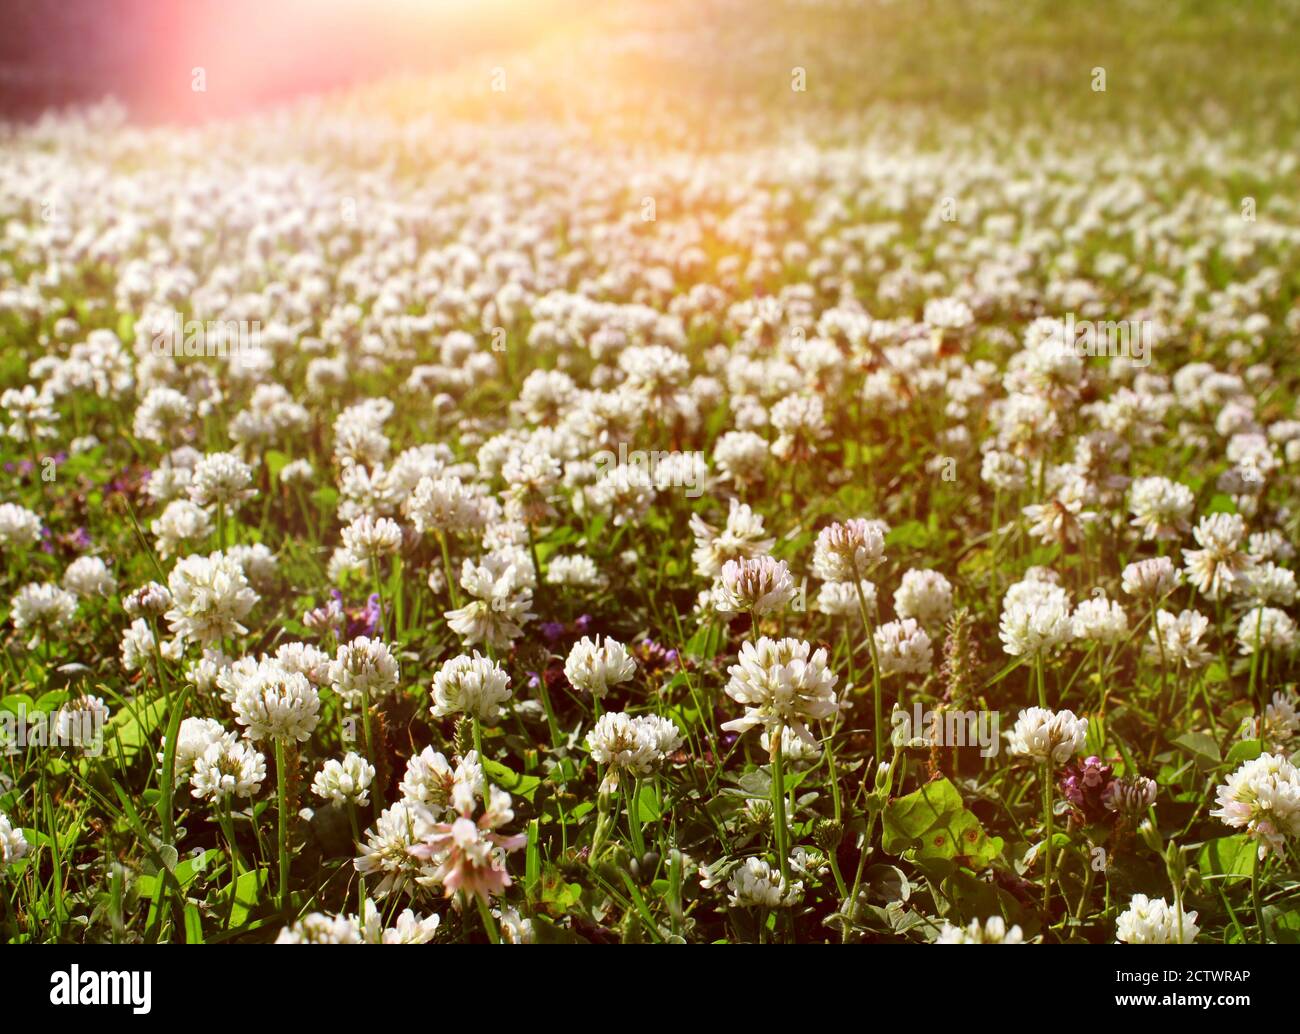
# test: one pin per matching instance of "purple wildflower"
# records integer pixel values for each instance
(1085, 784)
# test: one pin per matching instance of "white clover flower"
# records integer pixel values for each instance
(272, 703)
(150, 600)
(1177, 639)
(1267, 583)
(515, 558)
(948, 314)
(13, 845)
(504, 535)
(43, 610)
(1153, 921)
(848, 551)
(1263, 798)
(194, 737)
(343, 563)
(1270, 545)
(781, 682)
(1221, 563)
(624, 493)
(259, 563)
(318, 928)
(795, 752)
(367, 492)
(758, 812)
(903, 647)
(531, 475)
(1161, 508)
(1099, 620)
(202, 674)
(1281, 722)
(594, 665)
(30, 413)
(924, 595)
(800, 421)
(741, 456)
(1265, 628)
(652, 369)
(305, 659)
(636, 745)
(475, 686)
(685, 470)
(163, 416)
(515, 929)
(233, 676)
(412, 929)
(221, 479)
(1130, 797)
(227, 766)
(545, 394)
(386, 852)
(138, 645)
(992, 931)
(755, 884)
(81, 720)
(577, 571)
(170, 483)
(1151, 579)
(358, 438)
(500, 608)
(1036, 616)
(363, 668)
(345, 782)
(1045, 735)
(743, 536)
(368, 538)
(89, 576)
(210, 597)
(840, 599)
(297, 472)
(1005, 471)
(761, 585)
(1026, 422)
(1062, 518)
(19, 527)
(428, 781)
(183, 524)
(444, 505)
(533, 469)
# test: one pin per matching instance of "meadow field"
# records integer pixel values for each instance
(707, 472)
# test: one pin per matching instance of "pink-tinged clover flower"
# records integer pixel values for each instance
(466, 854)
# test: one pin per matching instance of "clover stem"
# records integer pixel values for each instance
(1047, 844)
(778, 803)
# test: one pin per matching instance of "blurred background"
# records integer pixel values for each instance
(143, 52)
(1212, 63)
